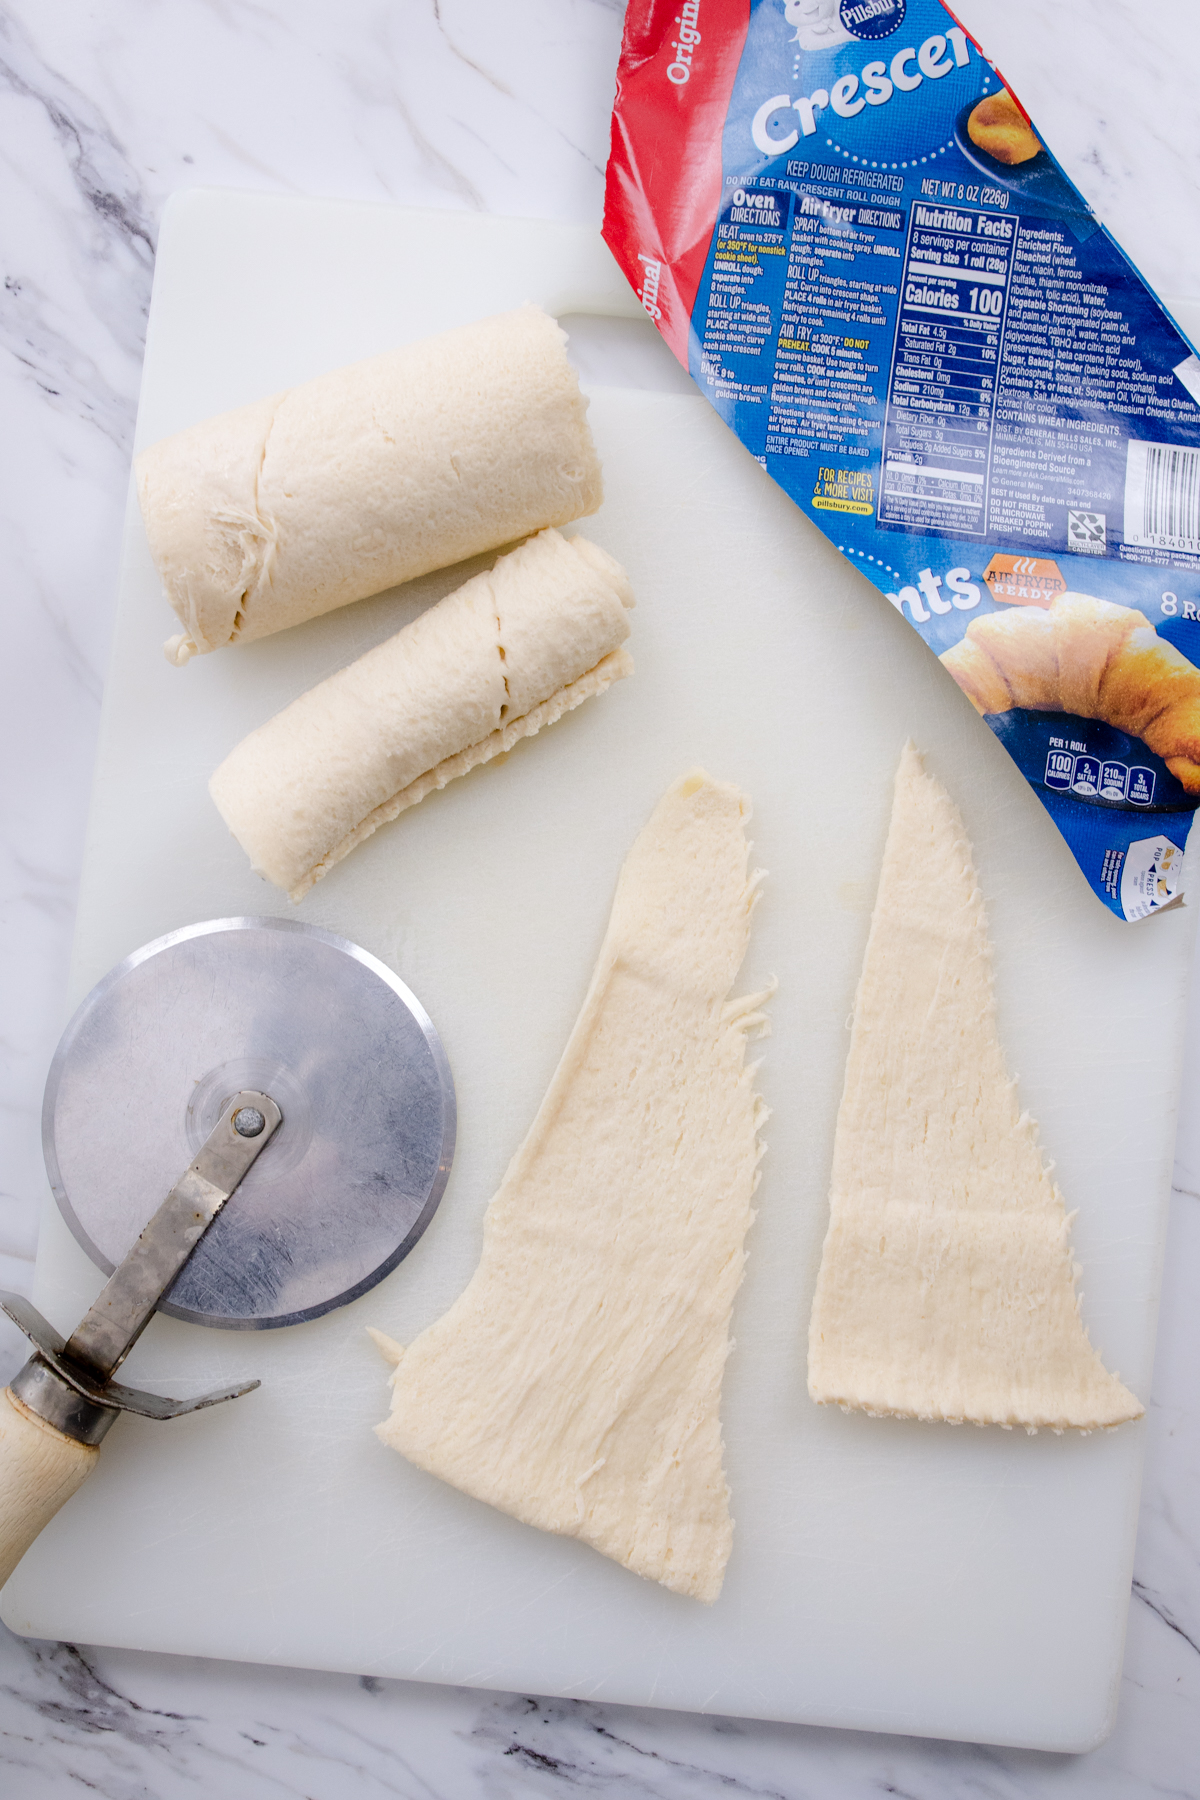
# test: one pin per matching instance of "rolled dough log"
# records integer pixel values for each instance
(506, 653)
(576, 1381)
(367, 477)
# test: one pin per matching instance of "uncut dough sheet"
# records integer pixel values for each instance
(576, 1381)
(494, 662)
(947, 1285)
(366, 477)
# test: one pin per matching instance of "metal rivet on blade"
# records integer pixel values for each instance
(248, 1122)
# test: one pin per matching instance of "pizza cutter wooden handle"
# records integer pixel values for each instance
(40, 1468)
(64, 1400)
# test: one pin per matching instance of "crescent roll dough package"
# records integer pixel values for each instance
(367, 477)
(864, 253)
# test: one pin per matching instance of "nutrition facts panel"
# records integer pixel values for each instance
(937, 434)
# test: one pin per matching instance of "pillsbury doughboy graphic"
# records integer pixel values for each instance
(818, 23)
(823, 24)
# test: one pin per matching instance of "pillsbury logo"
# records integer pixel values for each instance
(684, 46)
(869, 19)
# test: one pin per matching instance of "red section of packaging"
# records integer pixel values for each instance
(674, 80)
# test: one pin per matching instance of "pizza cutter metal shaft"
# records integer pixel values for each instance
(57, 1409)
(69, 1385)
(110, 1328)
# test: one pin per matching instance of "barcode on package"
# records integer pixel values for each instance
(1162, 497)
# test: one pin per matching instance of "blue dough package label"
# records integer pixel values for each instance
(885, 284)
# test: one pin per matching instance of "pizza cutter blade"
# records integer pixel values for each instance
(259, 1056)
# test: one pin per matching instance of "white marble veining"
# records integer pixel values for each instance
(451, 103)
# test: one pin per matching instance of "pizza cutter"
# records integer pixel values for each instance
(259, 1056)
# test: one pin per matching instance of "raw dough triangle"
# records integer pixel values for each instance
(576, 1381)
(947, 1287)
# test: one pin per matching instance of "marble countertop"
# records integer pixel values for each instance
(104, 111)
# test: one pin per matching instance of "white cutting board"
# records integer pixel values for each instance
(885, 1575)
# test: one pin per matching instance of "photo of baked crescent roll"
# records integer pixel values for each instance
(510, 651)
(366, 477)
(999, 128)
(1092, 658)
